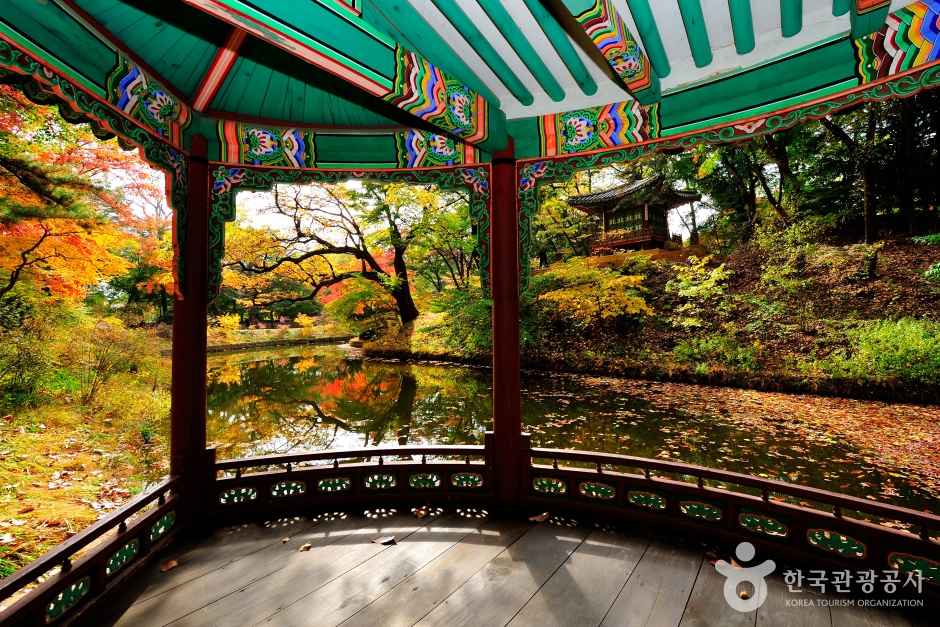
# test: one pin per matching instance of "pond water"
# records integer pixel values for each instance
(321, 397)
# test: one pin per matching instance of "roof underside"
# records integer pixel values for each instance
(406, 83)
(652, 190)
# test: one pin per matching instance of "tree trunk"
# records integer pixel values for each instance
(868, 175)
(905, 161)
(407, 310)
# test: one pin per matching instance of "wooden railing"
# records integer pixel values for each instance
(60, 584)
(374, 479)
(799, 523)
(795, 523)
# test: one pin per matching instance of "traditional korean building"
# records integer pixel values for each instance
(634, 215)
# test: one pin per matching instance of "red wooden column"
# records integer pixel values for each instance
(188, 402)
(507, 457)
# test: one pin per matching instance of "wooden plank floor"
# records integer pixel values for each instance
(452, 571)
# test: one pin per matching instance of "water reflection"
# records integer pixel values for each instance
(324, 397)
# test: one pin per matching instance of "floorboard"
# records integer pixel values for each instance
(707, 605)
(457, 572)
(776, 612)
(657, 591)
(855, 616)
(342, 597)
(301, 572)
(583, 589)
(419, 594)
(223, 547)
(501, 588)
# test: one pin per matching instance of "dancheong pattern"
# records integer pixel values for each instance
(266, 145)
(909, 38)
(421, 149)
(607, 30)
(583, 130)
(143, 99)
(423, 90)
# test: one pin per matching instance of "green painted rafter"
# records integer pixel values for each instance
(649, 34)
(520, 43)
(695, 30)
(791, 17)
(608, 32)
(482, 47)
(742, 25)
(397, 18)
(559, 40)
(841, 7)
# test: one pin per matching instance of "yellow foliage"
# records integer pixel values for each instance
(588, 294)
(305, 322)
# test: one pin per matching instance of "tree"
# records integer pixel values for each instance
(329, 234)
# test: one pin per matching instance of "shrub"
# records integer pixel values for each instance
(101, 350)
(721, 350)
(928, 240)
(468, 325)
(933, 273)
(906, 349)
(581, 295)
(700, 289)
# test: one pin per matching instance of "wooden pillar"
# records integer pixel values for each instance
(188, 394)
(508, 457)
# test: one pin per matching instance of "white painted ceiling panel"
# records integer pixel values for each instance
(819, 24)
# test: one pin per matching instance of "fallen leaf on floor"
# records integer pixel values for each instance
(386, 540)
(285, 540)
(7, 538)
(422, 512)
(168, 565)
(25, 510)
(540, 517)
(305, 547)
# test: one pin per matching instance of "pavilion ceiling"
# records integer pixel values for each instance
(406, 83)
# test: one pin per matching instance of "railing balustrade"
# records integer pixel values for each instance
(60, 584)
(798, 523)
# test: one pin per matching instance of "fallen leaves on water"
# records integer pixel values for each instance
(385, 540)
(422, 512)
(305, 547)
(168, 566)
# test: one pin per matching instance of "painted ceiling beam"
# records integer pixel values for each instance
(399, 19)
(557, 36)
(481, 45)
(742, 25)
(329, 36)
(626, 60)
(520, 44)
(218, 70)
(696, 32)
(868, 16)
(649, 34)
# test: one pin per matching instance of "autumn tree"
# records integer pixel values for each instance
(328, 234)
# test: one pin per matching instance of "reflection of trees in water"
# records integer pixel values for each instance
(278, 404)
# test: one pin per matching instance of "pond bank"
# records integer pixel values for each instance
(872, 390)
(330, 397)
(282, 343)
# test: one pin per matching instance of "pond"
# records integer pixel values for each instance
(314, 398)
